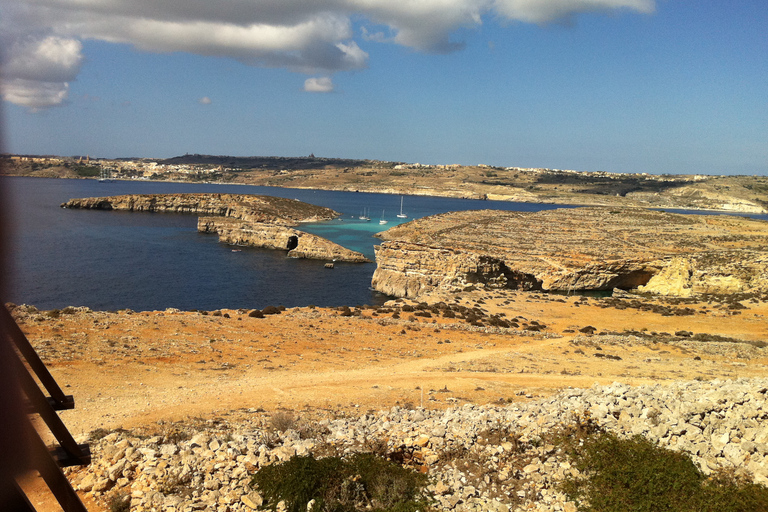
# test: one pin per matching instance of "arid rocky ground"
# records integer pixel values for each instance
(133, 369)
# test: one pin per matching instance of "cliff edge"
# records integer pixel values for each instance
(574, 249)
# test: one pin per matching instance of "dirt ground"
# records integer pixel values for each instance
(130, 369)
(127, 369)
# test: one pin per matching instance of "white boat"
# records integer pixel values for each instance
(382, 221)
(105, 176)
(365, 216)
(401, 215)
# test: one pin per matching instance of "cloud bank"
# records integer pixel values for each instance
(41, 50)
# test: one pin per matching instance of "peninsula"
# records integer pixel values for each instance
(240, 219)
(574, 249)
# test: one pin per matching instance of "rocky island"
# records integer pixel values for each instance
(575, 249)
(239, 219)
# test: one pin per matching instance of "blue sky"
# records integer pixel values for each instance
(593, 85)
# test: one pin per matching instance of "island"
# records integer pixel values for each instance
(240, 219)
(574, 249)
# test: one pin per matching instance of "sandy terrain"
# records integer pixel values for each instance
(128, 369)
(133, 369)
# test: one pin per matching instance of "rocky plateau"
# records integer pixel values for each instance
(571, 249)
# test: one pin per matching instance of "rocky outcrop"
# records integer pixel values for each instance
(252, 208)
(723, 273)
(248, 220)
(569, 249)
(270, 236)
(718, 424)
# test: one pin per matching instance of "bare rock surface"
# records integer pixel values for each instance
(573, 249)
(253, 208)
(239, 219)
(479, 458)
(269, 236)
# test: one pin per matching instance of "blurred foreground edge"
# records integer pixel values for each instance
(22, 450)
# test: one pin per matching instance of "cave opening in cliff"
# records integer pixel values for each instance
(293, 242)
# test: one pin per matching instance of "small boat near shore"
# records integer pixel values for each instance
(401, 215)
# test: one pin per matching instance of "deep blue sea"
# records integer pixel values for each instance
(110, 260)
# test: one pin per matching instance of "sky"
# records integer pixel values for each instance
(656, 86)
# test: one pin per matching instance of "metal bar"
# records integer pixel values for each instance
(41, 406)
(21, 342)
(14, 498)
(54, 478)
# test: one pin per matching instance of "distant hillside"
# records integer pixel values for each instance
(272, 163)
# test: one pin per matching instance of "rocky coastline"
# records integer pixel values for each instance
(574, 249)
(244, 220)
(269, 236)
(747, 194)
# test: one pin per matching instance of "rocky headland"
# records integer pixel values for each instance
(575, 249)
(239, 219)
(271, 236)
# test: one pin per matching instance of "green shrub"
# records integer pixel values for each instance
(119, 502)
(635, 475)
(87, 171)
(256, 314)
(271, 310)
(282, 421)
(360, 482)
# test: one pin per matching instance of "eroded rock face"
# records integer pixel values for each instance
(571, 249)
(270, 236)
(721, 273)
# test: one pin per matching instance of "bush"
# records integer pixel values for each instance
(119, 502)
(637, 475)
(256, 314)
(270, 310)
(282, 421)
(360, 482)
(87, 171)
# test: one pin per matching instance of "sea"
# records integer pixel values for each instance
(113, 260)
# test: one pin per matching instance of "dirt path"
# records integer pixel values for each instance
(129, 369)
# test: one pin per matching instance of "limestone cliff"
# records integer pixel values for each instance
(565, 249)
(720, 273)
(270, 236)
(239, 219)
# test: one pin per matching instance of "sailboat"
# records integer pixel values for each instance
(365, 216)
(382, 221)
(401, 215)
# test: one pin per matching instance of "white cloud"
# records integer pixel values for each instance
(542, 11)
(205, 100)
(36, 73)
(34, 94)
(53, 59)
(41, 39)
(319, 84)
